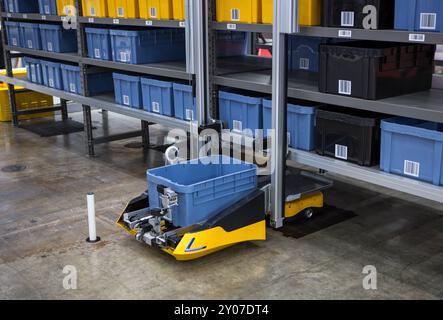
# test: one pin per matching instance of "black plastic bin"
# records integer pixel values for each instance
(348, 134)
(351, 13)
(375, 70)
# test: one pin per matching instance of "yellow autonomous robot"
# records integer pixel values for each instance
(195, 208)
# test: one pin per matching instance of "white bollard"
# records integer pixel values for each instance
(91, 219)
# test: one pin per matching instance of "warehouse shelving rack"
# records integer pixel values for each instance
(192, 70)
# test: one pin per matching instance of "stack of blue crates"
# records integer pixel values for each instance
(98, 43)
(97, 83)
(413, 148)
(157, 96)
(204, 188)
(55, 38)
(184, 102)
(148, 46)
(21, 6)
(52, 74)
(13, 33)
(47, 7)
(128, 90)
(34, 70)
(241, 113)
(419, 15)
(304, 53)
(30, 34)
(301, 124)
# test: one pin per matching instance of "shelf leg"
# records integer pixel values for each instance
(64, 111)
(89, 138)
(145, 135)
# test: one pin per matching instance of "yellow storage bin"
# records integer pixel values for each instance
(95, 8)
(128, 9)
(239, 11)
(156, 9)
(18, 73)
(25, 100)
(309, 12)
(66, 8)
(178, 9)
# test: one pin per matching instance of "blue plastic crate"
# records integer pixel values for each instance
(55, 38)
(97, 82)
(47, 7)
(13, 33)
(304, 53)
(157, 96)
(128, 90)
(240, 112)
(184, 102)
(203, 190)
(231, 44)
(30, 34)
(148, 46)
(21, 6)
(34, 70)
(52, 74)
(301, 124)
(98, 43)
(419, 15)
(413, 148)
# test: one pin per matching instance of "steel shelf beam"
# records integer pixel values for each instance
(370, 175)
(242, 27)
(133, 22)
(32, 17)
(69, 57)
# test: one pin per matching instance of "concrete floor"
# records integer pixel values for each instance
(43, 229)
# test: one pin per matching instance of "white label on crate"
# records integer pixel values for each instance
(43, 17)
(341, 152)
(125, 56)
(345, 87)
(235, 14)
(153, 12)
(93, 12)
(231, 26)
(237, 126)
(120, 12)
(126, 100)
(304, 63)
(347, 18)
(116, 21)
(412, 168)
(33, 74)
(67, 10)
(50, 48)
(189, 114)
(149, 23)
(182, 24)
(51, 83)
(155, 107)
(14, 41)
(91, 20)
(289, 139)
(345, 33)
(428, 21)
(415, 37)
(47, 9)
(72, 87)
(30, 45)
(97, 53)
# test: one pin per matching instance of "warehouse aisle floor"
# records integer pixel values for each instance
(43, 229)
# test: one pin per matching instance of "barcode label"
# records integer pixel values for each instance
(345, 87)
(304, 63)
(237, 126)
(155, 107)
(148, 22)
(428, 21)
(97, 53)
(120, 12)
(126, 100)
(231, 26)
(25, 16)
(72, 87)
(30, 45)
(14, 41)
(116, 21)
(189, 114)
(417, 37)
(153, 12)
(182, 24)
(341, 152)
(47, 9)
(345, 33)
(51, 83)
(412, 168)
(93, 12)
(91, 20)
(50, 48)
(125, 56)
(43, 17)
(235, 14)
(347, 18)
